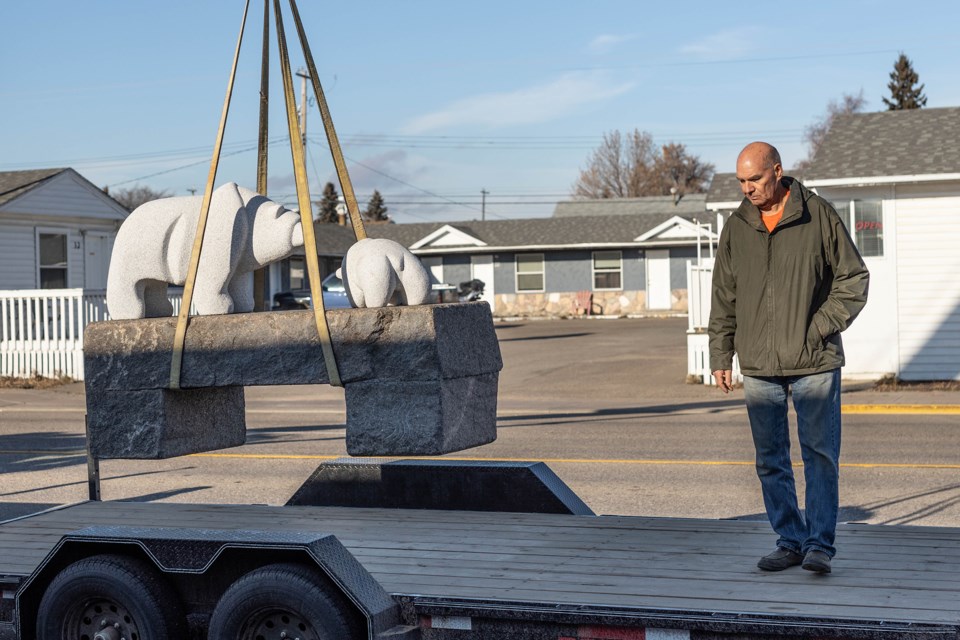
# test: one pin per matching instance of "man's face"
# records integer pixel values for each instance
(758, 179)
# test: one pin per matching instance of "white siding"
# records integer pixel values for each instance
(928, 261)
(66, 195)
(18, 265)
(870, 344)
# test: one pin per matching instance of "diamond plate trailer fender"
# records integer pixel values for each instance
(201, 552)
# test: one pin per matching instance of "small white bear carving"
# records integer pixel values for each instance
(375, 269)
(245, 231)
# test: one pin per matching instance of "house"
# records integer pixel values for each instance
(56, 230)
(894, 178)
(631, 264)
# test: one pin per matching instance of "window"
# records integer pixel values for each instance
(530, 272)
(607, 270)
(865, 219)
(298, 273)
(53, 260)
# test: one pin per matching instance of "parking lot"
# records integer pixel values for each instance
(603, 402)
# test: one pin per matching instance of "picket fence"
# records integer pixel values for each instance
(41, 331)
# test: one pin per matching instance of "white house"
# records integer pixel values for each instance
(56, 230)
(894, 176)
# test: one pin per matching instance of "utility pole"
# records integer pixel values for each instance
(303, 75)
(483, 204)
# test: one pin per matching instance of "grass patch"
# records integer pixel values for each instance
(35, 382)
(892, 383)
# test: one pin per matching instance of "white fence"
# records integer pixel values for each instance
(41, 331)
(699, 289)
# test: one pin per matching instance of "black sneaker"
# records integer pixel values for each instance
(781, 559)
(816, 561)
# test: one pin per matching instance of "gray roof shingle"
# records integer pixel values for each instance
(689, 205)
(579, 230)
(16, 183)
(890, 143)
(724, 188)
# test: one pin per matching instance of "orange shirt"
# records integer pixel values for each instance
(770, 220)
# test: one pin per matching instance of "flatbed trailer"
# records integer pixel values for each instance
(472, 575)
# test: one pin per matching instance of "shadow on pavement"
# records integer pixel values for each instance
(41, 450)
(160, 495)
(710, 407)
(559, 335)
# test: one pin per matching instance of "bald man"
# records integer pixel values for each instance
(786, 281)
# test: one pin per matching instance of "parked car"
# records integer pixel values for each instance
(334, 296)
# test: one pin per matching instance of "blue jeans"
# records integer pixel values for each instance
(816, 398)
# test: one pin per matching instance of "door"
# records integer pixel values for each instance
(481, 268)
(659, 294)
(96, 259)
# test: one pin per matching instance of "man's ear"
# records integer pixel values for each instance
(778, 170)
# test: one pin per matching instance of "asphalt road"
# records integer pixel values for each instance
(603, 402)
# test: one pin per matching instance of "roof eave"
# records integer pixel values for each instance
(876, 180)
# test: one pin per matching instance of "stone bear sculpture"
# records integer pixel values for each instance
(376, 271)
(245, 231)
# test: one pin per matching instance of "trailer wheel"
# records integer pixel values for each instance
(279, 601)
(109, 597)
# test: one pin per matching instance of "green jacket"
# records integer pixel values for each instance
(781, 299)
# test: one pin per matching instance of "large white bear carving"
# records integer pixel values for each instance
(245, 231)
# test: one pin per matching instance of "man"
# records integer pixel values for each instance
(787, 280)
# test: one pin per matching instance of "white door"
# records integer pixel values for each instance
(659, 294)
(96, 260)
(481, 268)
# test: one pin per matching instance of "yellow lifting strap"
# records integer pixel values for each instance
(346, 186)
(182, 318)
(263, 141)
(303, 199)
(303, 196)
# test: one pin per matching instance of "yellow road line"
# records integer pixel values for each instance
(853, 409)
(708, 463)
(903, 409)
(626, 461)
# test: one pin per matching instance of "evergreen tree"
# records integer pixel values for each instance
(903, 92)
(376, 211)
(328, 205)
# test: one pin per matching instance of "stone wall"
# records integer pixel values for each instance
(562, 305)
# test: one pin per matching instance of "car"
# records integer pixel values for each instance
(334, 296)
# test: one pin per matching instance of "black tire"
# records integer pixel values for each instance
(107, 590)
(279, 598)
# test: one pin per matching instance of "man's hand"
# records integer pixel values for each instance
(724, 379)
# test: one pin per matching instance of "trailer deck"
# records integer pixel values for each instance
(887, 579)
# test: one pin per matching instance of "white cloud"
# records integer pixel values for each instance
(535, 104)
(728, 44)
(606, 43)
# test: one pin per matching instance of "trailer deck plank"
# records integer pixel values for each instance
(883, 573)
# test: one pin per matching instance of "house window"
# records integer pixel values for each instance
(53, 260)
(298, 273)
(530, 272)
(865, 219)
(607, 270)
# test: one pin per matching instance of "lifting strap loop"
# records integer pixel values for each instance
(183, 317)
(345, 185)
(303, 199)
(263, 141)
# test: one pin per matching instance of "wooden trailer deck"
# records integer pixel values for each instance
(621, 565)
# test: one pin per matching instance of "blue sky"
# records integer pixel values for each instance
(437, 100)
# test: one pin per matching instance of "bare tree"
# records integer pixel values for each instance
(634, 167)
(137, 195)
(814, 133)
